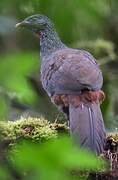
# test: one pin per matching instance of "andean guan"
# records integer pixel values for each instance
(73, 81)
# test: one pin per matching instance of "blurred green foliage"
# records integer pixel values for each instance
(48, 161)
(52, 160)
(3, 106)
(15, 70)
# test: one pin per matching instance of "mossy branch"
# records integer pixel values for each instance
(40, 130)
(36, 129)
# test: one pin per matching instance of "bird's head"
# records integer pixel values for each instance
(36, 23)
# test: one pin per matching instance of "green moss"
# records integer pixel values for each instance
(113, 136)
(37, 129)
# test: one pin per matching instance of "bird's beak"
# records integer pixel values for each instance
(22, 24)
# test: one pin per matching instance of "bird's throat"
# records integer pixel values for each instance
(49, 42)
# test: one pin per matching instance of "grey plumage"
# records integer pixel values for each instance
(87, 127)
(67, 71)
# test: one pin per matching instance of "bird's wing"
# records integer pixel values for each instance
(71, 71)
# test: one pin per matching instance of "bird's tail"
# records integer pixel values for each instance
(87, 126)
(86, 122)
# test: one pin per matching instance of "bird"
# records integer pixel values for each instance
(73, 80)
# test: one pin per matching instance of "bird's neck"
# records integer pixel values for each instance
(49, 42)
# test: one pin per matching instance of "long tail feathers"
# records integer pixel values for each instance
(87, 126)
